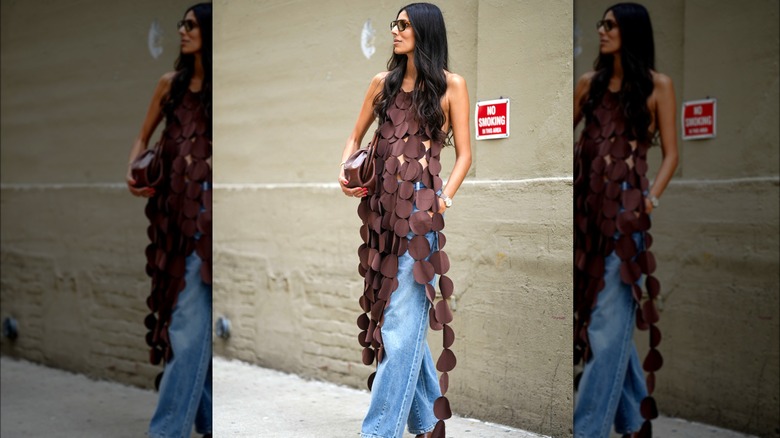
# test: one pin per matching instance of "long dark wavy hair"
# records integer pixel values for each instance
(430, 59)
(185, 64)
(637, 56)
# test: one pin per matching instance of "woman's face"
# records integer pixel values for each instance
(403, 41)
(191, 42)
(609, 40)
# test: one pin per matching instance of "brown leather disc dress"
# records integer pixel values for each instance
(610, 169)
(180, 208)
(388, 216)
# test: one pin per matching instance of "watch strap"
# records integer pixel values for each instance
(654, 201)
(447, 200)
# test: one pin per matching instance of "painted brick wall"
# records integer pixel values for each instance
(286, 237)
(77, 79)
(716, 231)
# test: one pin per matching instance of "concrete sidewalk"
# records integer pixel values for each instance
(257, 402)
(249, 402)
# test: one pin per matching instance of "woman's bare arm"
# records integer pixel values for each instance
(666, 115)
(580, 93)
(153, 118)
(458, 99)
(364, 121)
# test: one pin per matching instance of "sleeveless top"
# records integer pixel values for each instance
(610, 169)
(179, 218)
(403, 164)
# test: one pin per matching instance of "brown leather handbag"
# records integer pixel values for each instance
(147, 169)
(359, 167)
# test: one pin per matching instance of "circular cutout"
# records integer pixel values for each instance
(401, 227)
(405, 189)
(368, 356)
(419, 248)
(440, 262)
(446, 286)
(444, 382)
(420, 222)
(443, 312)
(653, 361)
(362, 321)
(424, 199)
(449, 337)
(441, 408)
(423, 272)
(447, 361)
(403, 208)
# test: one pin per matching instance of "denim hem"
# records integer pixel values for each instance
(422, 431)
(370, 435)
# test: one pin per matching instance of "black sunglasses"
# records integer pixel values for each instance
(402, 24)
(608, 25)
(188, 25)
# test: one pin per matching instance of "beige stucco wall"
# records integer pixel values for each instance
(287, 95)
(77, 79)
(716, 232)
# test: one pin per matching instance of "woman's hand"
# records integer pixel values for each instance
(442, 207)
(146, 192)
(354, 192)
(648, 205)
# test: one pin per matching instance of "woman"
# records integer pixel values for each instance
(179, 256)
(625, 102)
(417, 103)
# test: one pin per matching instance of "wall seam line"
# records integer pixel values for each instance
(774, 179)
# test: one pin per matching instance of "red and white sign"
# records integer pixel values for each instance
(491, 119)
(698, 119)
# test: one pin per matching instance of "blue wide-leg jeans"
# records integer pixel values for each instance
(612, 384)
(185, 389)
(405, 385)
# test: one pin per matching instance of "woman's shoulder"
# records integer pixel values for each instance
(377, 83)
(583, 86)
(454, 79)
(379, 78)
(661, 81)
(164, 84)
(168, 77)
(455, 82)
(586, 79)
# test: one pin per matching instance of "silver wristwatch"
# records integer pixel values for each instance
(447, 200)
(653, 200)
